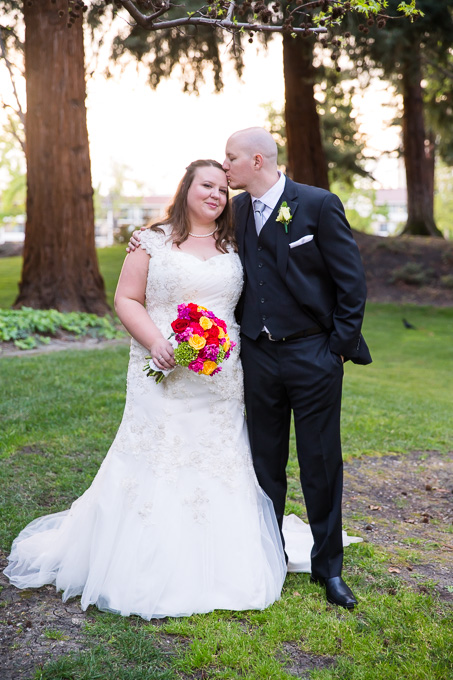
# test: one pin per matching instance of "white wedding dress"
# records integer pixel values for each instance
(174, 522)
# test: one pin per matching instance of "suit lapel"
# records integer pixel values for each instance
(243, 214)
(283, 238)
(244, 219)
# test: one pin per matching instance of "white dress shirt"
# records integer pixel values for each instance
(271, 197)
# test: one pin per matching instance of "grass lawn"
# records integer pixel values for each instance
(59, 414)
(110, 262)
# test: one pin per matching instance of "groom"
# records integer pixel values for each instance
(301, 314)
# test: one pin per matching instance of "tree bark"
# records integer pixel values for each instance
(306, 158)
(60, 268)
(418, 155)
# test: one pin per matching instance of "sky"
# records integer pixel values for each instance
(158, 133)
(154, 135)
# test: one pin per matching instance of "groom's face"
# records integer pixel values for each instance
(238, 164)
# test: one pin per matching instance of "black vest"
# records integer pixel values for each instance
(267, 300)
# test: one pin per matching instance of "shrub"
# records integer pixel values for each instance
(27, 327)
(447, 280)
(412, 273)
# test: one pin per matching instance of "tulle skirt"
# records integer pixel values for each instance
(137, 543)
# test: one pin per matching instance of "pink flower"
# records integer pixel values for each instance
(183, 312)
(211, 352)
(196, 365)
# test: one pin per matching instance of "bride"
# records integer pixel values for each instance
(174, 522)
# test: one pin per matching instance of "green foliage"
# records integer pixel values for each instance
(396, 50)
(364, 197)
(184, 354)
(53, 634)
(12, 195)
(198, 48)
(343, 144)
(27, 327)
(9, 276)
(342, 140)
(447, 281)
(194, 50)
(413, 273)
(443, 198)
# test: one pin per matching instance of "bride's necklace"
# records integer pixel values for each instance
(211, 233)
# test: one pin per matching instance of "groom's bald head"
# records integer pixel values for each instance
(251, 160)
(256, 140)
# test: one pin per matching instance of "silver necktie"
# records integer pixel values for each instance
(258, 209)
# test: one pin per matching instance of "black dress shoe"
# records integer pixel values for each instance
(337, 592)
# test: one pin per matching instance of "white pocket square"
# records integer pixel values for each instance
(301, 241)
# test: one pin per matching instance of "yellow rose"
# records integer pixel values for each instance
(197, 342)
(221, 332)
(226, 345)
(205, 323)
(209, 367)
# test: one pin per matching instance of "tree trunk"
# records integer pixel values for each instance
(306, 158)
(60, 268)
(418, 156)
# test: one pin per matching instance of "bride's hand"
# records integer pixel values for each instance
(162, 354)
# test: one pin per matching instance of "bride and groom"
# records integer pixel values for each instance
(175, 521)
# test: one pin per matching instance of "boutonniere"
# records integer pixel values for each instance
(284, 215)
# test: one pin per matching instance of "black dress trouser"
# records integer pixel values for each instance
(304, 377)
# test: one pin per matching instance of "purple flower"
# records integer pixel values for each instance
(211, 352)
(183, 312)
(184, 336)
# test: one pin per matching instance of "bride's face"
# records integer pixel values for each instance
(207, 195)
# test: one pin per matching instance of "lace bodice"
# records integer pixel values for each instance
(176, 277)
(209, 404)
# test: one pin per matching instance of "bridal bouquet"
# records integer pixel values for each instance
(200, 340)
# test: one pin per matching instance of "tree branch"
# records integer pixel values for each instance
(143, 19)
(448, 73)
(330, 14)
(148, 21)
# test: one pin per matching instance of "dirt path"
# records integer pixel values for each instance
(403, 503)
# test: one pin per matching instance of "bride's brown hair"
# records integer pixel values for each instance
(177, 214)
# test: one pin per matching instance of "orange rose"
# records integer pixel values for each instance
(209, 367)
(197, 342)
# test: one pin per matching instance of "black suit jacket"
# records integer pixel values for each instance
(325, 274)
